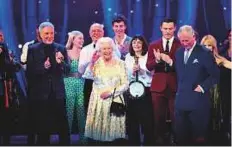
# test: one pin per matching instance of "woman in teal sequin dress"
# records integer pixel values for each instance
(74, 85)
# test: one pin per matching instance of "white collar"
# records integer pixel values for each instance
(170, 40)
(191, 49)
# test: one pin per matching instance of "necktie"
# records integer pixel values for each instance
(167, 47)
(166, 66)
(186, 56)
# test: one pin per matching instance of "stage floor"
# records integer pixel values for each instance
(54, 139)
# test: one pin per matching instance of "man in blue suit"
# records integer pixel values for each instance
(197, 72)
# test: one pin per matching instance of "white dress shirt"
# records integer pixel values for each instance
(23, 57)
(164, 42)
(144, 77)
(85, 58)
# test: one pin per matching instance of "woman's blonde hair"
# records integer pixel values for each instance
(211, 40)
(71, 37)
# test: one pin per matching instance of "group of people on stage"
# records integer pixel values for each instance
(186, 86)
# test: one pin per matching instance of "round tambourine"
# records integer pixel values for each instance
(136, 89)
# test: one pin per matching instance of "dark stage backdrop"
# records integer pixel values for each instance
(19, 18)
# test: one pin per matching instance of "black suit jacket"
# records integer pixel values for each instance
(42, 82)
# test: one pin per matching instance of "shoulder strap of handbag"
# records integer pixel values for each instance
(119, 96)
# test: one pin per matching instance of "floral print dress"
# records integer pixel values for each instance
(100, 125)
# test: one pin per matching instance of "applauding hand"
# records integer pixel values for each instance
(166, 58)
(47, 63)
(157, 55)
(59, 57)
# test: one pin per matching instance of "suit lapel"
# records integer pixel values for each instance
(192, 56)
(182, 58)
(173, 48)
(161, 46)
(181, 64)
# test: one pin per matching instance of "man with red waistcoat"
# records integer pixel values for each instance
(161, 58)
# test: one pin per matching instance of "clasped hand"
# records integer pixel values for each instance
(105, 95)
(161, 56)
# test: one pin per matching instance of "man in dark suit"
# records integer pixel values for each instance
(197, 72)
(46, 63)
(163, 87)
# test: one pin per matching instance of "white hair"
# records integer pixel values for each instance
(105, 40)
(45, 24)
(186, 28)
(109, 40)
(96, 25)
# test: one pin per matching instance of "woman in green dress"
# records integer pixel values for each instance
(74, 85)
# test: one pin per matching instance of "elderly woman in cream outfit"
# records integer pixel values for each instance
(109, 73)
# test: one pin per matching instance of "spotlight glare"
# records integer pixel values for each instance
(157, 5)
(39, 2)
(131, 11)
(109, 9)
(74, 2)
(224, 8)
(96, 12)
(20, 46)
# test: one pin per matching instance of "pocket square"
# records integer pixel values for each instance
(195, 61)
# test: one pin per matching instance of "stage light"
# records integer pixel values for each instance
(224, 8)
(157, 5)
(96, 12)
(20, 46)
(109, 9)
(131, 11)
(39, 2)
